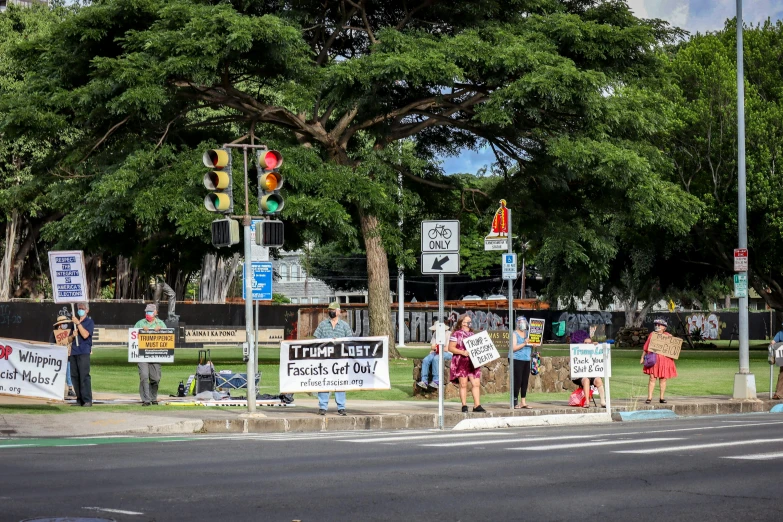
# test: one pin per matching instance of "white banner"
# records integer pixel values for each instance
(69, 283)
(344, 364)
(32, 370)
(151, 346)
(481, 349)
(587, 360)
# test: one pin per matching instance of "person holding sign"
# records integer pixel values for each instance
(779, 388)
(62, 335)
(332, 328)
(586, 382)
(522, 353)
(462, 369)
(149, 373)
(79, 359)
(663, 368)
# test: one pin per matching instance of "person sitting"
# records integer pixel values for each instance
(430, 364)
(586, 382)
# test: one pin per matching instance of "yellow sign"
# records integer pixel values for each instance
(156, 341)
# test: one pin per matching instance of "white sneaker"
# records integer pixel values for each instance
(422, 384)
(435, 384)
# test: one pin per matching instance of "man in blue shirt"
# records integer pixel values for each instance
(332, 328)
(84, 327)
(779, 388)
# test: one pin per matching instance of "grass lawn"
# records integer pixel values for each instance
(701, 372)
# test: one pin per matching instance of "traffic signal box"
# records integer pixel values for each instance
(225, 232)
(270, 233)
(218, 179)
(270, 181)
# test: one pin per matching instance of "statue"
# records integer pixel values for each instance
(162, 287)
(500, 222)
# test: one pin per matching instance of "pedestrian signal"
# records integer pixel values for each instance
(225, 232)
(218, 179)
(270, 233)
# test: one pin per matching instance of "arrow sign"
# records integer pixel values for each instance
(438, 263)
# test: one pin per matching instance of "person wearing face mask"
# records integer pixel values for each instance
(62, 335)
(664, 367)
(79, 359)
(332, 328)
(149, 373)
(462, 369)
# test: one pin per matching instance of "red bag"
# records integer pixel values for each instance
(577, 396)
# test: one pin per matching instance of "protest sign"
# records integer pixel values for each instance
(587, 360)
(536, 332)
(481, 349)
(151, 346)
(32, 370)
(343, 364)
(69, 283)
(61, 337)
(665, 345)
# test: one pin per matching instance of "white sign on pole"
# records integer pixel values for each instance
(152, 350)
(440, 236)
(481, 349)
(69, 283)
(440, 335)
(740, 285)
(587, 360)
(509, 263)
(495, 244)
(447, 263)
(32, 370)
(740, 259)
(343, 364)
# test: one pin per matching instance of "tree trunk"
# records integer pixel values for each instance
(93, 265)
(217, 274)
(128, 285)
(13, 229)
(630, 304)
(378, 287)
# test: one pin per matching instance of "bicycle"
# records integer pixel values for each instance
(439, 230)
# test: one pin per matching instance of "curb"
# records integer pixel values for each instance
(626, 416)
(177, 428)
(539, 420)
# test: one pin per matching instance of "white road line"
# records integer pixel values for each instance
(672, 449)
(4, 446)
(591, 444)
(403, 437)
(758, 456)
(109, 510)
(505, 441)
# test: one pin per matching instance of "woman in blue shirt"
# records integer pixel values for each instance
(522, 353)
(779, 388)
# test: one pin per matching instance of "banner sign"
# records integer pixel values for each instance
(536, 332)
(32, 370)
(481, 349)
(151, 346)
(343, 364)
(69, 283)
(665, 345)
(587, 360)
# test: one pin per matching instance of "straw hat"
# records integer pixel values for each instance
(61, 319)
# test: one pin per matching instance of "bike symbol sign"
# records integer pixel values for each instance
(440, 236)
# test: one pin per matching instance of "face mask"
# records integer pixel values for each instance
(81, 313)
(63, 327)
(150, 316)
(332, 313)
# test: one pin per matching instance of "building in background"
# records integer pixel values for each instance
(22, 3)
(294, 283)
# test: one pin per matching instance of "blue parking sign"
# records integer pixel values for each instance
(261, 283)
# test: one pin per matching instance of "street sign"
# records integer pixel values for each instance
(69, 283)
(261, 282)
(495, 244)
(446, 263)
(509, 262)
(740, 285)
(440, 236)
(740, 259)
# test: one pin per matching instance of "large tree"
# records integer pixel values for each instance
(344, 80)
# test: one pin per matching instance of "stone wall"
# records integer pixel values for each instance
(554, 377)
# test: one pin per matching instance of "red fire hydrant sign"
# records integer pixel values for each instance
(740, 259)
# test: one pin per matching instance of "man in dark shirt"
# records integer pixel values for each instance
(84, 327)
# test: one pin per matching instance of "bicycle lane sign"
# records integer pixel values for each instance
(440, 236)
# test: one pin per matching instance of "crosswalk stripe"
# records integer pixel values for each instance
(505, 441)
(758, 456)
(699, 446)
(403, 437)
(591, 444)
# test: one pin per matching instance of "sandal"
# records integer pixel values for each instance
(663, 401)
(777, 397)
(517, 407)
(648, 401)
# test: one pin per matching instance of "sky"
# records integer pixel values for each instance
(692, 15)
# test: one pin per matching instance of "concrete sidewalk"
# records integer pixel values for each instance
(302, 417)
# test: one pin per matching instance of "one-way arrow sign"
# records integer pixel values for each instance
(439, 263)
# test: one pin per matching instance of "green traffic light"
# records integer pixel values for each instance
(271, 205)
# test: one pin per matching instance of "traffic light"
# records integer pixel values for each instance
(270, 181)
(218, 179)
(225, 232)
(270, 233)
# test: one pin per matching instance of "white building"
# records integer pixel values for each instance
(295, 284)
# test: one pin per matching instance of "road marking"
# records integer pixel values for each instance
(404, 437)
(758, 456)
(503, 441)
(109, 510)
(591, 444)
(4, 446)
(700, 446)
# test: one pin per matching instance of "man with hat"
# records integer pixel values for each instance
(430, 364)
(62, 335)
(332, 328)
(149, 373)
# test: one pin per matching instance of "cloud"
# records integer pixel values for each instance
(468, 161)
(706, 15)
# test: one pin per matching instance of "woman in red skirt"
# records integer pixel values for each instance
(664, 367)
(462, 369)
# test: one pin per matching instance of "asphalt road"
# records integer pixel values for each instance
(709, 468)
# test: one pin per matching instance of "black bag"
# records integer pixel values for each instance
(181, 389)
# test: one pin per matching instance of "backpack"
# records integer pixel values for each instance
(181, 389)
(535, 363)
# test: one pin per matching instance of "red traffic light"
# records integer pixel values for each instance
(270, 159)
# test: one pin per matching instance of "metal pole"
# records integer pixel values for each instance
(770, 380)
(256, 339)
(744, 381)
(251, 360)
(607, 366)
(400, 278)
(522, 289)
(510, 326)
(441, 381)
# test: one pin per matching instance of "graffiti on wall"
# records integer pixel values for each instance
(708, 325)
(7, 317)
(592, 322)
